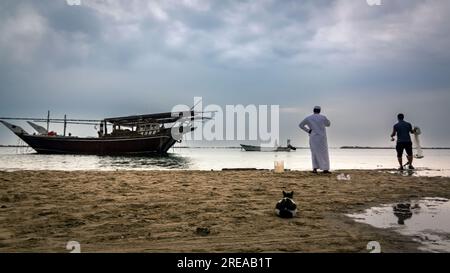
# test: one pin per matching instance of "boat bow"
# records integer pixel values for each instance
(14, 128)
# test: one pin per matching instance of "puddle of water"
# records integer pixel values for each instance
(427, 221)
(420, 172)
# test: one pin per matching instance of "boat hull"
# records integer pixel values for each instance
(99, 146)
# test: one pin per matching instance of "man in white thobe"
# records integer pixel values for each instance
(315, 125)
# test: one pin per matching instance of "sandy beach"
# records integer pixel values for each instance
(160, 211)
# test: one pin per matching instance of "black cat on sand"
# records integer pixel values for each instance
(286, 207)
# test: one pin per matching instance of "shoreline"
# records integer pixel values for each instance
(159, 211)
(422, 172)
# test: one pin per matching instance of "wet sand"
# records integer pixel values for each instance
(160, 211)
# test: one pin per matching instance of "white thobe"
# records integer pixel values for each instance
(317, 140)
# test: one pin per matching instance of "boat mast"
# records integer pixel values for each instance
(48, 119)
(106, 128)
(65, 124)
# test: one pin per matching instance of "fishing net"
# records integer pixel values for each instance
(419, 152)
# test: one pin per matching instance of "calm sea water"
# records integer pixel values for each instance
(435, 163)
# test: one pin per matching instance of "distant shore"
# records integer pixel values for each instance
(382, 148)
(236, 147)
(160, 211)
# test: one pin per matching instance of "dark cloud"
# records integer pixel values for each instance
(117, 57)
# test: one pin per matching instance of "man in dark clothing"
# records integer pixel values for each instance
(403, 130)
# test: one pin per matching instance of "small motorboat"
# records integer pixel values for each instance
(252, 148)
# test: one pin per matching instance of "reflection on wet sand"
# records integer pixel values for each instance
(404, 211)
(426, 221)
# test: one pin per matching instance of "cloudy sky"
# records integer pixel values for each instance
(363, 64)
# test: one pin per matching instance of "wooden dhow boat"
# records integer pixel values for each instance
(130, 135)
